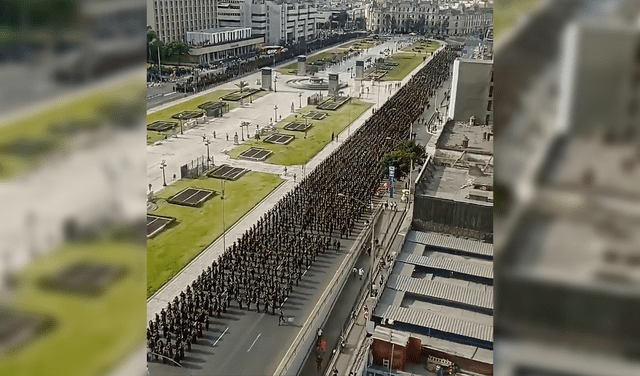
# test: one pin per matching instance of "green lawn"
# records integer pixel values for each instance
(153, 136)
(27, 141)
(190, 105)
(407, 63)
(174, 248)
(301, 150)
(362, 44)
(91, 335)
(425, 47)
(507, 13)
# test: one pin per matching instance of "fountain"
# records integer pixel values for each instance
(313, 83)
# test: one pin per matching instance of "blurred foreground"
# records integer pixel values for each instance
(567, 219)
(72, 167)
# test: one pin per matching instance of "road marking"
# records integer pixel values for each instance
(216, 342)
(254, 342)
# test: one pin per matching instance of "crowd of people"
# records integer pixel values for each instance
(260, 270)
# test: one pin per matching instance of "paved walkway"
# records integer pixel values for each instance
(177, 151)
(181, 149)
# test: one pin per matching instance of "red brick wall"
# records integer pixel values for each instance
(463, 363)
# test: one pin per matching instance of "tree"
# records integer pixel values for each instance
(152, 36)
(421, 22)
(178, 49)
(387, 22)
(407, 25)
(242, 85)
(402, 156)
(341, 18)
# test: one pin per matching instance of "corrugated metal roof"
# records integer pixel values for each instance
(392, 336)
(444, 291)
(448, 264)
(439, 322)
(416, 248)
(451, 242)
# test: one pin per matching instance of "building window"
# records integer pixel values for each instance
(491, 91)
(489, 105)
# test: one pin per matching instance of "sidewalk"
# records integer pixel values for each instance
(193, 269)
(189, 273)
(349, 297)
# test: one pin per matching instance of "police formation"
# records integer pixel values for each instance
(260, 270)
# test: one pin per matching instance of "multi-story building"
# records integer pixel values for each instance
(234, 13)
(172, 19)
(223, 42)
(472, 90)
(429, 17)
(437, 303)
(282, 23)
(279, 22)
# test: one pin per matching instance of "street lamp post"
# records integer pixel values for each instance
(163, 164)
(275, 110)
(181, 130)
(207, 142)
(378, 81)
(300, 96)
(275, 81)
(373, 249)
(224, 228)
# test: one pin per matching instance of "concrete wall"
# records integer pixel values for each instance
(333, 84)
(599, 64)
(453, 217)
(267, 78)
(302, 65)
(359, 69)
(470, 90)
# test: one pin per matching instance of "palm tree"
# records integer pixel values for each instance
(151, 37)
(242, 85)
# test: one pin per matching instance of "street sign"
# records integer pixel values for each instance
(392, 179)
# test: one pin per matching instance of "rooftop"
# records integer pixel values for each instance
(218, 29)
(454, 134)
(584, 217)
(464, 182)
(576, 240)
(441, 288)
(595, 164)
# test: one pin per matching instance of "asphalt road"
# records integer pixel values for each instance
(253, 343)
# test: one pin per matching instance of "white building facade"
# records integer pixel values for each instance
(472, 91)
(429, 17)
(172, 19)
(221, 43)
(280, 23)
